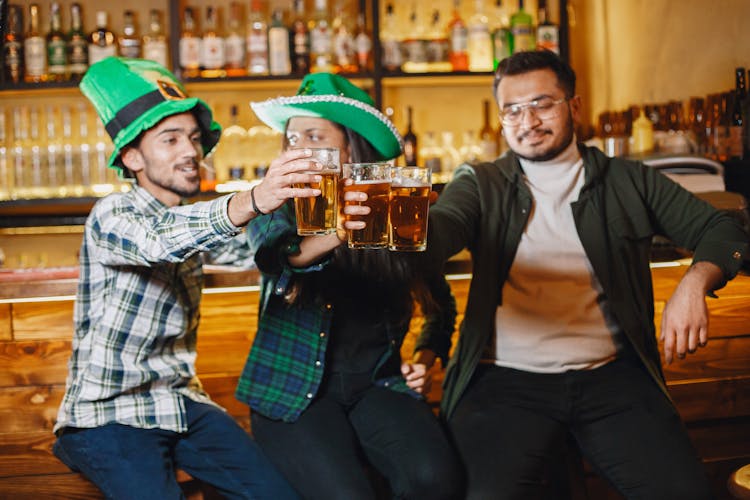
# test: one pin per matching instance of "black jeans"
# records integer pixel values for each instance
(511, 426)
(352, 424)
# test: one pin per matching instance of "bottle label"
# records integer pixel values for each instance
(190, 52)
(57, 62)
(234, 51)
(321, 41)
(13, 51)
(156, 50)
(97, 53)
(301, 43)
(480, 51)
(78, 57)
(363, 45)
(212, 53)
(34, 56)
(734, 142)
(523, 38)
(392, 56)
(278, 52)
(257, 42)
(459, 39)
(548, 37)
(130, 48)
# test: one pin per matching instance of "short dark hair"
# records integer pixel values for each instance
(524, 62)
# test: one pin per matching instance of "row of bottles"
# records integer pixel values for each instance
(276, 42)
(32, 55)
(429, 44)
(441, 151)
(714, 126)
(51, 152)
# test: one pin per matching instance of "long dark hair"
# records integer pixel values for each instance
(380, 267)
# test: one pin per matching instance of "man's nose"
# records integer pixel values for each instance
(529, 119)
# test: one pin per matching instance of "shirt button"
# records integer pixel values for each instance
(328, 306)
(737, 255)
(393, 342)
(279, 289)
(309, 395)
(387, 384)
(322, 334)
(317, 363)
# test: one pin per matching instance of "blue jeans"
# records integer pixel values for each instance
(511, 428)
(127, 462)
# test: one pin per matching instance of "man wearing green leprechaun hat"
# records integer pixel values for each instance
(134, 409)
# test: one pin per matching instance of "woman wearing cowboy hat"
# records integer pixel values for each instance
(329, 395)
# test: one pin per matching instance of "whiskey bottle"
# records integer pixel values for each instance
(234, 42)
(479, 40)
(57, 50)
(390, 40)
(213, 56)
(410, 141)
(321, 39)
(363, 44)
(190, 45)
(459, 37)
(129, 42)
(78, 52)
(13, 63)
(547, 33)
(735, 142)
(522, 29)
(257, 40)
(154, 41)
(487, 136)
(300, 40)
(344, 56)
(501, 37)
(34, 49)
(279, 62)
(101, 40)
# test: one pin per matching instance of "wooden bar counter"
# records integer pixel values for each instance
(711, 388)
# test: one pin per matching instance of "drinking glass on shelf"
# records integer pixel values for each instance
(409, 206)
(375, 180)
(318, 215)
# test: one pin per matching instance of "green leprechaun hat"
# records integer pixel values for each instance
(333, 97)
(133, 95)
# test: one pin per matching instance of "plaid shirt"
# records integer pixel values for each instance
(287, 360)
(137, 309)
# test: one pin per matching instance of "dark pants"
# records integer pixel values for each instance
(511, 426)
(126, 462)
(325, 453)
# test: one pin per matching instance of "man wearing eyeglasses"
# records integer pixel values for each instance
(558, 340)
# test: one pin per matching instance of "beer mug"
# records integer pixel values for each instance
(408, 209)
(318, 215)
(375, 180)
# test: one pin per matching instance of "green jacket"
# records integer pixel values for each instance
(621, 206)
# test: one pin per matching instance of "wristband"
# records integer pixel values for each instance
(257, 210)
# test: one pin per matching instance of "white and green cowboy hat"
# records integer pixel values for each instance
(333, 97)
(133, 95)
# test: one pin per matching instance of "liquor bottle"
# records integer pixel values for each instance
(55, 176)
(522, 29)
(57, 50)
(78, 51)
(34, 49)
(414, 44)
(390, 40)
(6, 173)
(438, 46)
(321, 39)
(129, 42)
(547, 33)
(363, 44)
(13, 63)
(487, 136)
(234, 42)
(300, 40)
(257, 40)
(155, 41)
(190, 45)
(737, 124)
(431, 155)
(459, 36)
(344, 56)
(501, 37)
(279, 62)
(410, 141)
(212, 56)
(479, 40)
(101, 40)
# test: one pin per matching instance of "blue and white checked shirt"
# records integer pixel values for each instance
(137, 309)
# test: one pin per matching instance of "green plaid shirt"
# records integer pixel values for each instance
(286, 363)
(137, 309)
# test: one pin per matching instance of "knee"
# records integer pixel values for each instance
(443, 481)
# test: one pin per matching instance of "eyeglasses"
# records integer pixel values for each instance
(544, 108)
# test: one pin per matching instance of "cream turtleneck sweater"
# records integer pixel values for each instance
(554, 316)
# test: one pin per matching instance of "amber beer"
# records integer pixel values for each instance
(317, 215)
(374, 179)
(409, 206)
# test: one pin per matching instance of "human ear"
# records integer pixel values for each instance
(132, 159)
